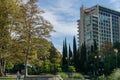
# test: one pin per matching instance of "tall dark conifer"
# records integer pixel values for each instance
(66, 51)
(95, 45)
(92, 49)
(63, 54)
(74, 51)
(70, 55)
(83, 57)
(78, 66)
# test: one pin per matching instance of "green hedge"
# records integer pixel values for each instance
(115, 75)
(77, 76)
(8, 79)
(71, 75)
(63, 75)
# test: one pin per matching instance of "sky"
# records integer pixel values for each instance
(63, 15)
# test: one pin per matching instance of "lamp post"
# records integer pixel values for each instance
(116, 52)
(97, 63)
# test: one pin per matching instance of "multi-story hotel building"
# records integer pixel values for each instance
(98, 23)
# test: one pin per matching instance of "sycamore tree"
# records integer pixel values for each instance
(55, 56)
(30, 24)
(8, 8)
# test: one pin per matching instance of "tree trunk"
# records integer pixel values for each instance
(2, 67)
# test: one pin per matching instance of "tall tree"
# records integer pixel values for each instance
(74, 51)
(95, 45)
(66, 52)
(83, 57)
(92, 49)
(55, 56)
(7, 10)
(70, 55)
(31, 25)
(78, 66)
(65, 56)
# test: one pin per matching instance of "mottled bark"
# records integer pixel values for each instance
(2, 67)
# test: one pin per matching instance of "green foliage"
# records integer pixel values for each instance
(109, 63)
(9, 65)
(65, 56)
(70, 62)
(83, 58)
(71, 69)
(46, 66)
(74, 52)
(73, 75)
(7, 8)
(77, 76)
(59, 69)
(102, 78)
(40, 48)
(55, 55)
(70, 52)
(74, 47)
(63, 75)
(23, 35)
(7, 78)
(95, 46)
(115, 75)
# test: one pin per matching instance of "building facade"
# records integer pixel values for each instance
(98, 23)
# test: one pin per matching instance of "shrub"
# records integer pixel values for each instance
(115, 75)
(102, 77)
(9, 65)
(63, 75)
(59, 69)
(77, 76)
(71, 69)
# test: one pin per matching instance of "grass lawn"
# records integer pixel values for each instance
(9, 79)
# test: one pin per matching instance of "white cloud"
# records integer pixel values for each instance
(65, 6)
(63, 15)
(116, 4)
(111, 1)
(62, 28)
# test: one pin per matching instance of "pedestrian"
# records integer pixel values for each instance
(18, 75)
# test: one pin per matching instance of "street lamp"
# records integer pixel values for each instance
(116, 51)
(95, 65)
(97, 62)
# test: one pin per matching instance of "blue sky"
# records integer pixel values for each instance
(63, 14)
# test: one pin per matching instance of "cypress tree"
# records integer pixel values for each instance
(92, 48)
(66, 53)
(95, 45)
(78, 66)
(65, 46)
(70, 55)
(65, 56)
(83, 57)
(74, 52)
